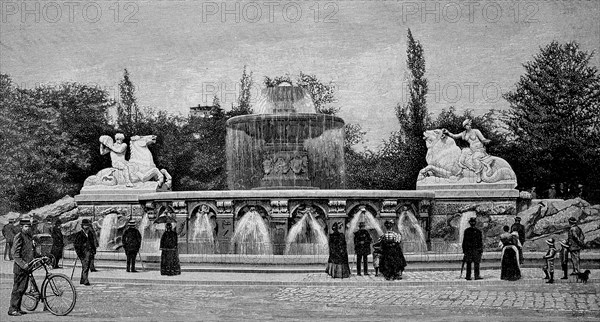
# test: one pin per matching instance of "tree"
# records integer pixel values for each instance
(554, 115)
(128, 112)
(403, 154)
(244, 105)
(37, 153)
(322, 94)
(414, 117)
(82, 112)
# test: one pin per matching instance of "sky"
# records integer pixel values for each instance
(180, 53)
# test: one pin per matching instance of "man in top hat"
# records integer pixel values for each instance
(8, 231)
(576, 241)
(564, 258)
(132, 241)
(519, 228)
(362, 247)
(23, 252)
(549, 257)
(472, 246)
(58, 243)
(85, 247)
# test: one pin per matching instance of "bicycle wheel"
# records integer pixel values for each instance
(59, 294)
(31, 298)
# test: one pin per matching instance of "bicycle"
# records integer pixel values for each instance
(58, 292)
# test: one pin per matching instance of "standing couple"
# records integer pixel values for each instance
(392, 261)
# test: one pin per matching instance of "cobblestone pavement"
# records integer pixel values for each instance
(464, 301)
(490, 275)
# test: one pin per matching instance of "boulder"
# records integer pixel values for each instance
(54, 210)
(557, 222)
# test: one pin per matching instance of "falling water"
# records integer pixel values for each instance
(412, 233)
(307, 237)
(107, 231)
(150, 236)
(370, 224)
(202, 235)
(251, 235)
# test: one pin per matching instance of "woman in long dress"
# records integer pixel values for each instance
(510, 265)
(169, 259)
(337, 265)
(392, 262)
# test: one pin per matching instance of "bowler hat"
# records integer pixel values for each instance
(572, 220)
(86, 222)
(550, 241)
(25, 221)
(517, 218)
(564, 244)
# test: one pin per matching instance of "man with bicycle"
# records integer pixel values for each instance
(23, 251)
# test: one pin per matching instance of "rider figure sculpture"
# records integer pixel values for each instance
(117, 155)
(471, 158)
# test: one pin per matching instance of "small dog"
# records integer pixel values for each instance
(583, 277)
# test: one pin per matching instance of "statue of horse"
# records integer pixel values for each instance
(141, 167)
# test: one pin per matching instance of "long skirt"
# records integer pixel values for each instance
(392, 264)
(510, 270)
(169, 262)
(338, 270)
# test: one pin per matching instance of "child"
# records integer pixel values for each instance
(564, 258)
(549, 257)
(376, 257)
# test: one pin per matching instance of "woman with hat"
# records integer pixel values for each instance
(510, 264)
(132, 241)
(392, 262)
(337, 264)
(169, 258)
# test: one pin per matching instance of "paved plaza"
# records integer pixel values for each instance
(229, 296)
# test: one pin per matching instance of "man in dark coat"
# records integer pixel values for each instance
(576, 241)
(362, 247)
(85, 247)
(520, 229)
(8, 231)
(23, 252)
(472, 248)
(132, 241)
(58, 243)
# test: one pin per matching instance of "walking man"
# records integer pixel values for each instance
(8, 231)
(576, 240)
(472, 248)
(23, 252)
(132, 241)
(58, 243)
(362, 247)
(85, 247)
